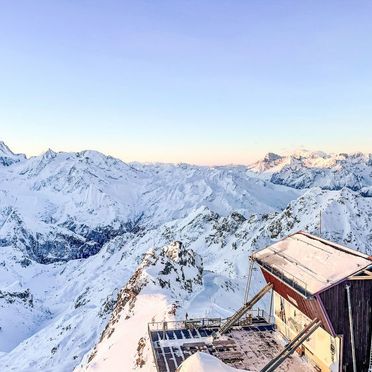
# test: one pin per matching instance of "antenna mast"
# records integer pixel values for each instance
(320, 223)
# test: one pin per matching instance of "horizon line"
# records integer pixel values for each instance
(284, 154)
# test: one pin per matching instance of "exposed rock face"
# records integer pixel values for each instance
(11, 297)
(271, 160)
(271, 157)
(7, 157)
(174, 270)
(182, 265)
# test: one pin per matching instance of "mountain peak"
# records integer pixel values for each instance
(4, 149)
(7, 156)
(271, 156)
(49, 154)
(304, 153)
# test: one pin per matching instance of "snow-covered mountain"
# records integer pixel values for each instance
(305, 169)
(7, 157)
(60, 206)
(92, 248)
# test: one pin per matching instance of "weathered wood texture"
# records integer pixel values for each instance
(334, 300)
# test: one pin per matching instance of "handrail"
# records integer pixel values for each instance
(182, 324)
(173, 325)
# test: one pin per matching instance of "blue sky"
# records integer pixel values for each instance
(208, 82)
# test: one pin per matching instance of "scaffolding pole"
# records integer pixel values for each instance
(271, 305)
(352, 340)
(249, 280)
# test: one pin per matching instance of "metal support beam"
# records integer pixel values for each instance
(244, 309)
(292, 346)
(249, 280)
(352, 340)
(271, 306)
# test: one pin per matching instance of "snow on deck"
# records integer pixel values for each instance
(247, 348)
(202, 362)
(310, 262)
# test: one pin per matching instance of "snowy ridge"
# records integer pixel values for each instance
(153, 293)
(91, 245)
(61, 206)
(305, 169)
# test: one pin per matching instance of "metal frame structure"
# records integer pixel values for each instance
(244, 309)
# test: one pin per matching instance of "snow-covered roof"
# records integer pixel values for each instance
(311, 263)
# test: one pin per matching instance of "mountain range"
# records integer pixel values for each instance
(93, 248)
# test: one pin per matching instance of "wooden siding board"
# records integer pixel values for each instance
(335, 302)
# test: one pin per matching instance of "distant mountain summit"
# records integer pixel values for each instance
(7, 157)
(305, 169)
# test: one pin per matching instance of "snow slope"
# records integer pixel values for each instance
(153, 293)
(79, 231)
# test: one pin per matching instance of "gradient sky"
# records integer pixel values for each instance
(200, 81)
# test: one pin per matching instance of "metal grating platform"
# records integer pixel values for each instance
(245, 346)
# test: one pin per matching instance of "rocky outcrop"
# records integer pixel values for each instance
(173, 269)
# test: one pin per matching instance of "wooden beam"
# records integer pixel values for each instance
(364, 277)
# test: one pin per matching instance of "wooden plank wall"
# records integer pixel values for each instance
(334, 300)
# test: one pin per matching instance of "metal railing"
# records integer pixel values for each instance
(174, 325)
(193, 323)
(251, 318)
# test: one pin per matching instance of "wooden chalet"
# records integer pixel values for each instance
(318, 282)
